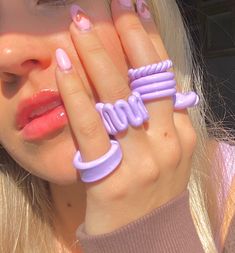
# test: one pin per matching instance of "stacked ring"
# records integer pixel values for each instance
(123, 113)
(154, 82)
(97, 169)
(149, 69)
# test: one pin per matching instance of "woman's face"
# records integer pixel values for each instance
(30, 32)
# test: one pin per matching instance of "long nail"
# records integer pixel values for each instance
(80, 18)
(126, 3)
(143, 9)
(63, 60)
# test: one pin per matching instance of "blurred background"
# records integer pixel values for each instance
(212, 26)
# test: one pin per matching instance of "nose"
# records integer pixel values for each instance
(21, 53)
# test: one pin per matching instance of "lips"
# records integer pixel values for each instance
(36, 106)
(41, 116)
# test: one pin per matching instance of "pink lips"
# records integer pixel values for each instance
(41, 115)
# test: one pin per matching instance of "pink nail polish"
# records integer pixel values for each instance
(63, 60)
(80, 18)
(126, 3)
(143, 9)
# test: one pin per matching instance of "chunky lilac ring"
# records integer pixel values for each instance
(155, 87)
(158, 94)
(95, 170)
(119, 116)
(185, 100)
(149, 70)
(156, 78)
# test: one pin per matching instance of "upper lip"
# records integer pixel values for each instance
(36, 105)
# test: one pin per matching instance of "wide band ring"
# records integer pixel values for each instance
(119, 116)
(95, 170)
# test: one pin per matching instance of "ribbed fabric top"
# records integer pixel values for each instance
(167, 229)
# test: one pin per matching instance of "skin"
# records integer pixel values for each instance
(163, 147)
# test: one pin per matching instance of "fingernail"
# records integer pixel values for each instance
(126, 3)
(80, 18)
(143, 9)
(63, 60)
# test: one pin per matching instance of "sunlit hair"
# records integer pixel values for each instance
(26, 211)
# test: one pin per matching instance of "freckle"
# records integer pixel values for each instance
(165, 134)
(69, 205)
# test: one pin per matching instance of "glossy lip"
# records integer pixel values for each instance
(38, 100)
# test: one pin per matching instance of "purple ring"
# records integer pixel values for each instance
(158, 94)
(156, 87)
(119, 116)
(149, 69)
(185, 100)
(155, 78)
(95, 170)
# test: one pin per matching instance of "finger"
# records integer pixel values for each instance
(109, 83)
(84, 120)
(138, 47)
(140, 51)
(150, 26)
(181, 118)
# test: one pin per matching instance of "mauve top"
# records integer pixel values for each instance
(167, 229)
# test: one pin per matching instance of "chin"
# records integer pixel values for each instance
(51, 161)
(56, 166)
(64, 181)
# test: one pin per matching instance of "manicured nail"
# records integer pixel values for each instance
(143, 9)
(80, 18)
(63, 60)
(126, 3)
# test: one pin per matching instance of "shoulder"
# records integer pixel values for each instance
(227, 152)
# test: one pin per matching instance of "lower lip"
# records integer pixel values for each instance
(46, 124)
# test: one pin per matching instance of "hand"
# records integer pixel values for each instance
(156, 157)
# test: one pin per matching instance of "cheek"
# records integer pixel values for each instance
(52, 158)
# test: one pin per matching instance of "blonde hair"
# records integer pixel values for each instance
(27, 209)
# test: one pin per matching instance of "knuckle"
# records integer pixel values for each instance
(95, 49)
(119, 92)
(189, 139)
(76, 93)
(134, 26)
(151, 171)
(169, 155)
(174, 154)
(90, 127)
(117, 192)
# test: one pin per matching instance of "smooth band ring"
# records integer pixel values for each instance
(95, 170)
(155, 78)
(158, 94)
(154, 87)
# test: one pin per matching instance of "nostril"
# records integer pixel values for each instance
(30, 63)
(9, 78)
